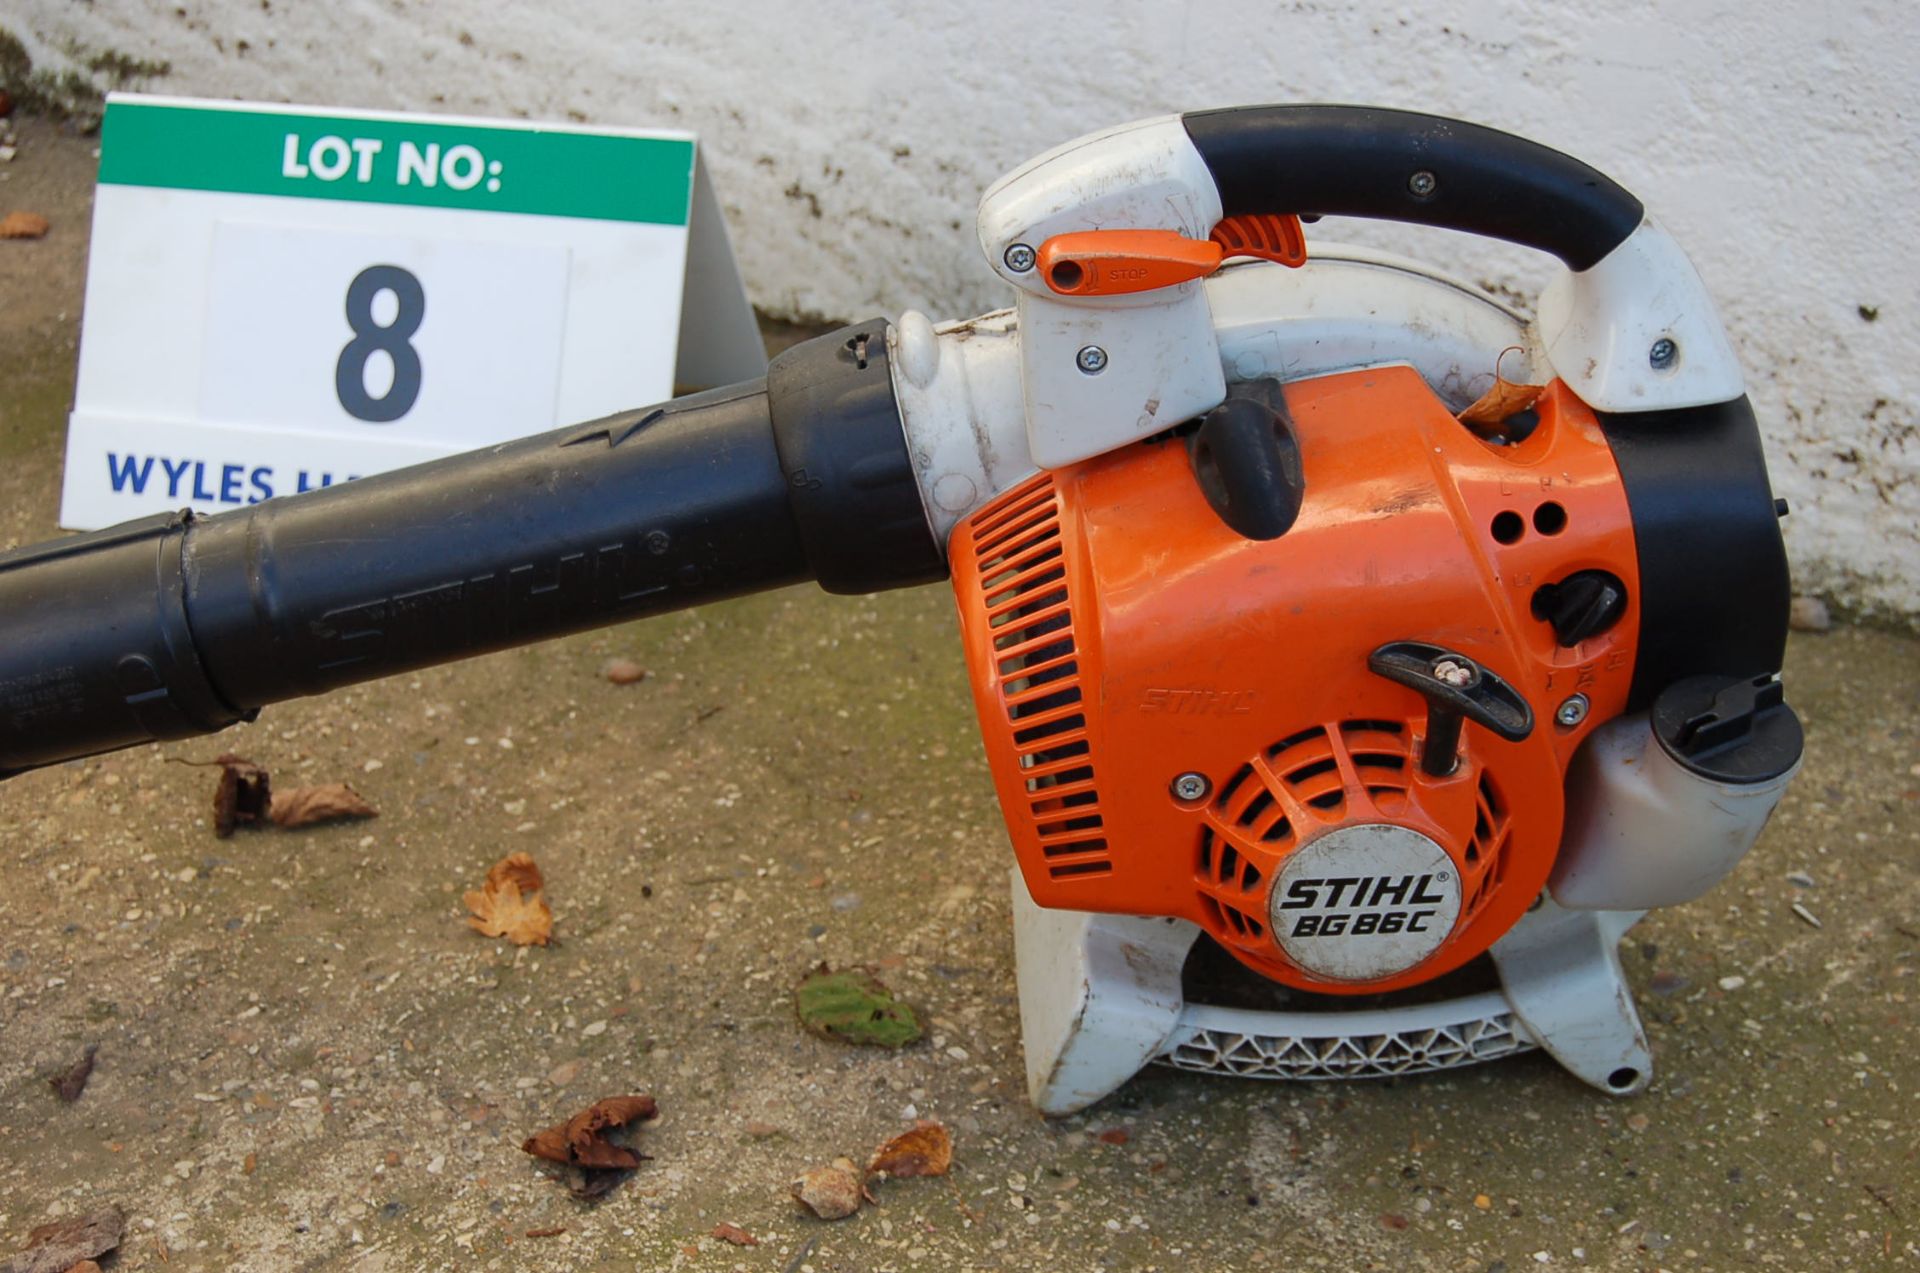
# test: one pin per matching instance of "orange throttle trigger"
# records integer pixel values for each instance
(1115, 262)
(1270, 236)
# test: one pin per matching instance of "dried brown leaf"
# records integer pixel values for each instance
(23, 225)
(304, 806)
(735, 1234)
(925, 1150)
(1490, 410)
(831, 1193)
(1114, 1136)
(242, 796)
(519, 870)
(70, 1082)
(55, 1248)
(512, 903)
(581, 1140)
(550, 1144)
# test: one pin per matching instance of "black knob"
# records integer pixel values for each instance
(1247, 461)
(1582, 605)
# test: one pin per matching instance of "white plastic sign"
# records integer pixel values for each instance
(281, 298)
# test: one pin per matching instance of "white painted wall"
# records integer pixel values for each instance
(1777, 139)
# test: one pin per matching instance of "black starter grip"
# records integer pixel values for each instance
(1363, 161)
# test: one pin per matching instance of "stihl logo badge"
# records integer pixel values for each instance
(1410, 903)
(1364, 901)
(1197, 702)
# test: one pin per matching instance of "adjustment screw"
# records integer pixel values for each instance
(1421, 184)
(1191, 787)
(1092, 360)
(1572, 711)
(1019, 258)
(1663, 354)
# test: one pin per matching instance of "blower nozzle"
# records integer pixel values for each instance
(177, 625)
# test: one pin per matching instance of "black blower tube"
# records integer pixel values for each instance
(178, 625)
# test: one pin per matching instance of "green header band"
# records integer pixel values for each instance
(422, 162)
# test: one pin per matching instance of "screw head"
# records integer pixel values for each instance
(1092, 360)
(1664, 354)
(1572, 711)
(1422, 184)
(1191, 786)
(1019, 258)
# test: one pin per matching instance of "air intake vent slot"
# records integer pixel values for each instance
(1487, 849)
(1025, 589)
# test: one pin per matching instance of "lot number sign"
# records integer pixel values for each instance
(281, 298)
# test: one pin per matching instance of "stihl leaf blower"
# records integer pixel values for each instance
(1283, 664)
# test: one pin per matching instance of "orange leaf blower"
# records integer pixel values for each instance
(1341, 729)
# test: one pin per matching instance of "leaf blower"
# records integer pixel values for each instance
(1340, 731)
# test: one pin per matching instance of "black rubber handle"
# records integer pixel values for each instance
(1364, 161)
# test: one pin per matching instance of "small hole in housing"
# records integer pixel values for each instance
(1066, 275)
(1550, 518)
(1624, 1077)
(1508, 527)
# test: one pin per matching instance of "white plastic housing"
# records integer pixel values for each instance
(1146, 175)
(963, 402)
(1159, 365)
(1644, 831)
(1599, 327)
(958, 386)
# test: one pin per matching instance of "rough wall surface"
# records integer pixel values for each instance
(1777, 140)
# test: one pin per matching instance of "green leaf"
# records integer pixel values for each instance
(854, 1007)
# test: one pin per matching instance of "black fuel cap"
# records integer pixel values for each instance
(1728, 728)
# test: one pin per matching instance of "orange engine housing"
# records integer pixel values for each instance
(1119, 634)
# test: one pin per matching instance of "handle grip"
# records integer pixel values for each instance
(1403, 166)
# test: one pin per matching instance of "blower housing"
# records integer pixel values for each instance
(1180, 710)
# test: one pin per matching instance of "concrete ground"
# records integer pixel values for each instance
(308, 1061)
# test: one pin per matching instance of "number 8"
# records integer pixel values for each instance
(350, 373)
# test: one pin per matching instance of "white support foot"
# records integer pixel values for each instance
(1099, 994)
(1560, 970)
(1100, 999)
